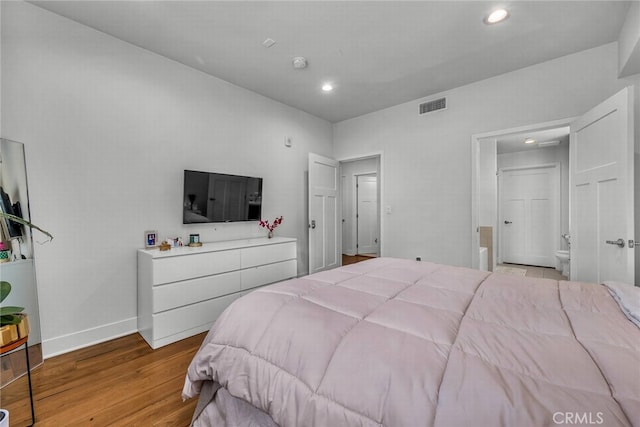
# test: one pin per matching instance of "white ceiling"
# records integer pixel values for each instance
(376, 53)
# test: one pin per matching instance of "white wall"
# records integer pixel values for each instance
(108, 129)
(487, 183)
(629, 41)
(427, 159)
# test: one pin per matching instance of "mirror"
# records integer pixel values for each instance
(18, 267)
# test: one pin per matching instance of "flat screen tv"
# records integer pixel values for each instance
(217, 197)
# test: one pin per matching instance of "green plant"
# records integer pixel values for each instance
(8, 315)
(25, 222)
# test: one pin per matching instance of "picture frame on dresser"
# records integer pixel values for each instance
(150, 239)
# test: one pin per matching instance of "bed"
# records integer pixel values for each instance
(391, 342)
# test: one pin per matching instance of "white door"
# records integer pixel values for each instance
(367, 214)
(601, 211)
(530, 215)
(324, 232)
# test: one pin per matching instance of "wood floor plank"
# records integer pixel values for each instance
(120, 382)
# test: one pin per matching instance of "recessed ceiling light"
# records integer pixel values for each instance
(327, 87)
(496, 16)
(529, 141)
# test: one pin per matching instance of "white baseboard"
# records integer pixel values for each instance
(77, 340)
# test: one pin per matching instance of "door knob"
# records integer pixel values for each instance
(620, 243)
(313, 224)
(508, 222)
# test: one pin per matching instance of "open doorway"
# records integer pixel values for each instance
(523, 198)
(601, 177)
(360, 193)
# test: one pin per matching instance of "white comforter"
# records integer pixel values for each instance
(396, 343)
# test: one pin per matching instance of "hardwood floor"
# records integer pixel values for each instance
(352, 259)
(118, 383)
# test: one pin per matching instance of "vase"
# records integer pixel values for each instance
(270, 235)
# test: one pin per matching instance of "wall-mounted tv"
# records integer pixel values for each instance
(217, 197)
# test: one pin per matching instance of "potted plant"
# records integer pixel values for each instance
(10, 317)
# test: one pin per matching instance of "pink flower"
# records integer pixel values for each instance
(271, 227)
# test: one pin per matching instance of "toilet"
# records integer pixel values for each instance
(562, 262)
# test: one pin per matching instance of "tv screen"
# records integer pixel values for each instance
(217, 197)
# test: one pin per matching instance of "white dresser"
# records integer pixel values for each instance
(181, 292)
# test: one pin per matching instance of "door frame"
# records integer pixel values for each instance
(381, 193)
(557, 207)
(475, 170)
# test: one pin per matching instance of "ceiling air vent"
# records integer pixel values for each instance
(435, 105)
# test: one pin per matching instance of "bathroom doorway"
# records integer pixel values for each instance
(601, 170)
(523, 195)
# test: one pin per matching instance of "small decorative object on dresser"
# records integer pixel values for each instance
(150, 238)
(271, 227)
(194, 240)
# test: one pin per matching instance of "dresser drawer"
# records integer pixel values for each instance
(172, 295)
(203, 313)
(270, 273)
(173, 269)
(259, 255)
